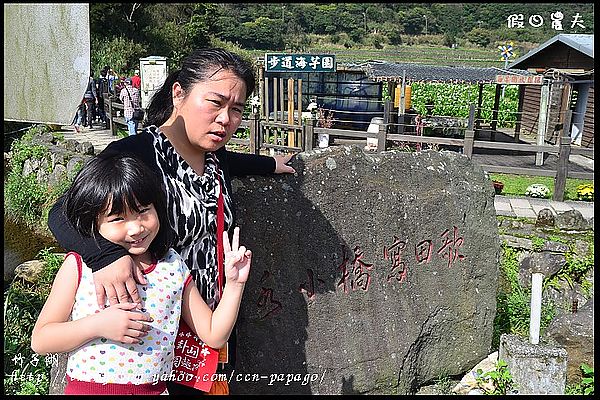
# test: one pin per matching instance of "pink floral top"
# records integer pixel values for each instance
(106, 361)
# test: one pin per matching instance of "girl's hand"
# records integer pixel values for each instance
(237, 258)
(118, 323)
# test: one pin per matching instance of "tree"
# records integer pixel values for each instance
(479, 36)
(263, 33)
(412, 20)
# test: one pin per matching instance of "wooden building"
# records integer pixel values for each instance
(567, 63)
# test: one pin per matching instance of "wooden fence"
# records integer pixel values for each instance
(278, 136)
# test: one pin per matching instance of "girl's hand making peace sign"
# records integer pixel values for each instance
(237, 258)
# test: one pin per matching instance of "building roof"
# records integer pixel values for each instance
(579, 42)
(414, 72)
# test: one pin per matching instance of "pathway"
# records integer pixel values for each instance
(99, 137)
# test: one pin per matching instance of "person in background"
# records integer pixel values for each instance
(136, 81)
(130, 97)
(91, 100)
(79, 116)
(102, 89)
(190, 119)
(112, 78)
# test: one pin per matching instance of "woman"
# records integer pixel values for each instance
(191, 118)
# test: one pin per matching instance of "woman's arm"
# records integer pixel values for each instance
(54, 333)
(242, 164)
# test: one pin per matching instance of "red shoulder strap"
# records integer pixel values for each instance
(79, 265)
(220, 230)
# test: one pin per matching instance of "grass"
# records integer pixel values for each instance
(515, 185)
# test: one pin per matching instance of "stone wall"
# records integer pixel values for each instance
(371, 273)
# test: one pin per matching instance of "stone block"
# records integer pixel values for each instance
(374, 273)
(535, 368)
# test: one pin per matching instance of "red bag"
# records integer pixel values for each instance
(195, 363)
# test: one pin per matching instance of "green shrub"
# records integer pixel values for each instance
(26, 199)
(586, 386)
(574, 270)
(24, 371)
(498, 381)
(119, 53)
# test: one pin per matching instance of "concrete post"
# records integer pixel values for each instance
(536, 307)
(535, 369)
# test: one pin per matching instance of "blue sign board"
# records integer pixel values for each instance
(282, 62)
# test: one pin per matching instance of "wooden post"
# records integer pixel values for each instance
(290, 109)
(469, 133)
(112, 126)
(495, 113)
(309, 134)
(254, 134)
(275, 99)
(261, 90)
(299, 101)
(479, 104)
(266, 100)
(562, 167)
(519, 112)
(386, 111)
(281, 99)
(542, 122)
(401, 105)
(381, 137)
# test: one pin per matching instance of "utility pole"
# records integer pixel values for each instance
(365, 19)
(425, 16)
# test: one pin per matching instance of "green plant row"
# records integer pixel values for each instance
(454, 100)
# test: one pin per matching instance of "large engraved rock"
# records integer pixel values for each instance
(371, 273)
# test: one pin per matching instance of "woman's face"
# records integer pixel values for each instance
(212, 111)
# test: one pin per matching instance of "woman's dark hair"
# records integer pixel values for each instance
(199, 66)
(128, 183)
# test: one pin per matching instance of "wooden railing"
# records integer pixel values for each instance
(114, 112)
(265, 135)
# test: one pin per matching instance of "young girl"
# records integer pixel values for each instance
(121, 349)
